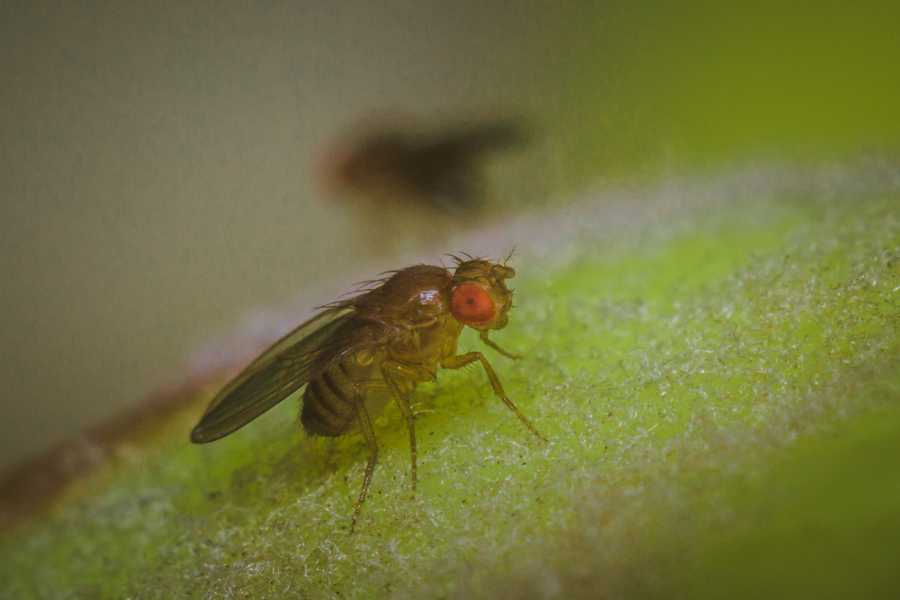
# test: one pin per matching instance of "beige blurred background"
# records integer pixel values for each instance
(155, 185)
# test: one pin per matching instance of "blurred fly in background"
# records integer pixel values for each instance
(403, 178)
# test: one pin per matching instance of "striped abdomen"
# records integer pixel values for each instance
(328, 406)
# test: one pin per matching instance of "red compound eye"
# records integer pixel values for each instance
(472, 305)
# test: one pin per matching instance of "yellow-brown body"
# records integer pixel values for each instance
(359, 354)
(417, 298)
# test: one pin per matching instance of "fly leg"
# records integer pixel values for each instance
(365, 423)
(461, 360)
(483, 334)
(416, 374)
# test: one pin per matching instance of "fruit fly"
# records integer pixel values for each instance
(359, 354)
(442, 170)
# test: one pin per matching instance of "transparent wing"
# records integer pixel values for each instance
(289, 364)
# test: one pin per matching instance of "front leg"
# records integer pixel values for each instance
(483, 334)
(461, 360)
